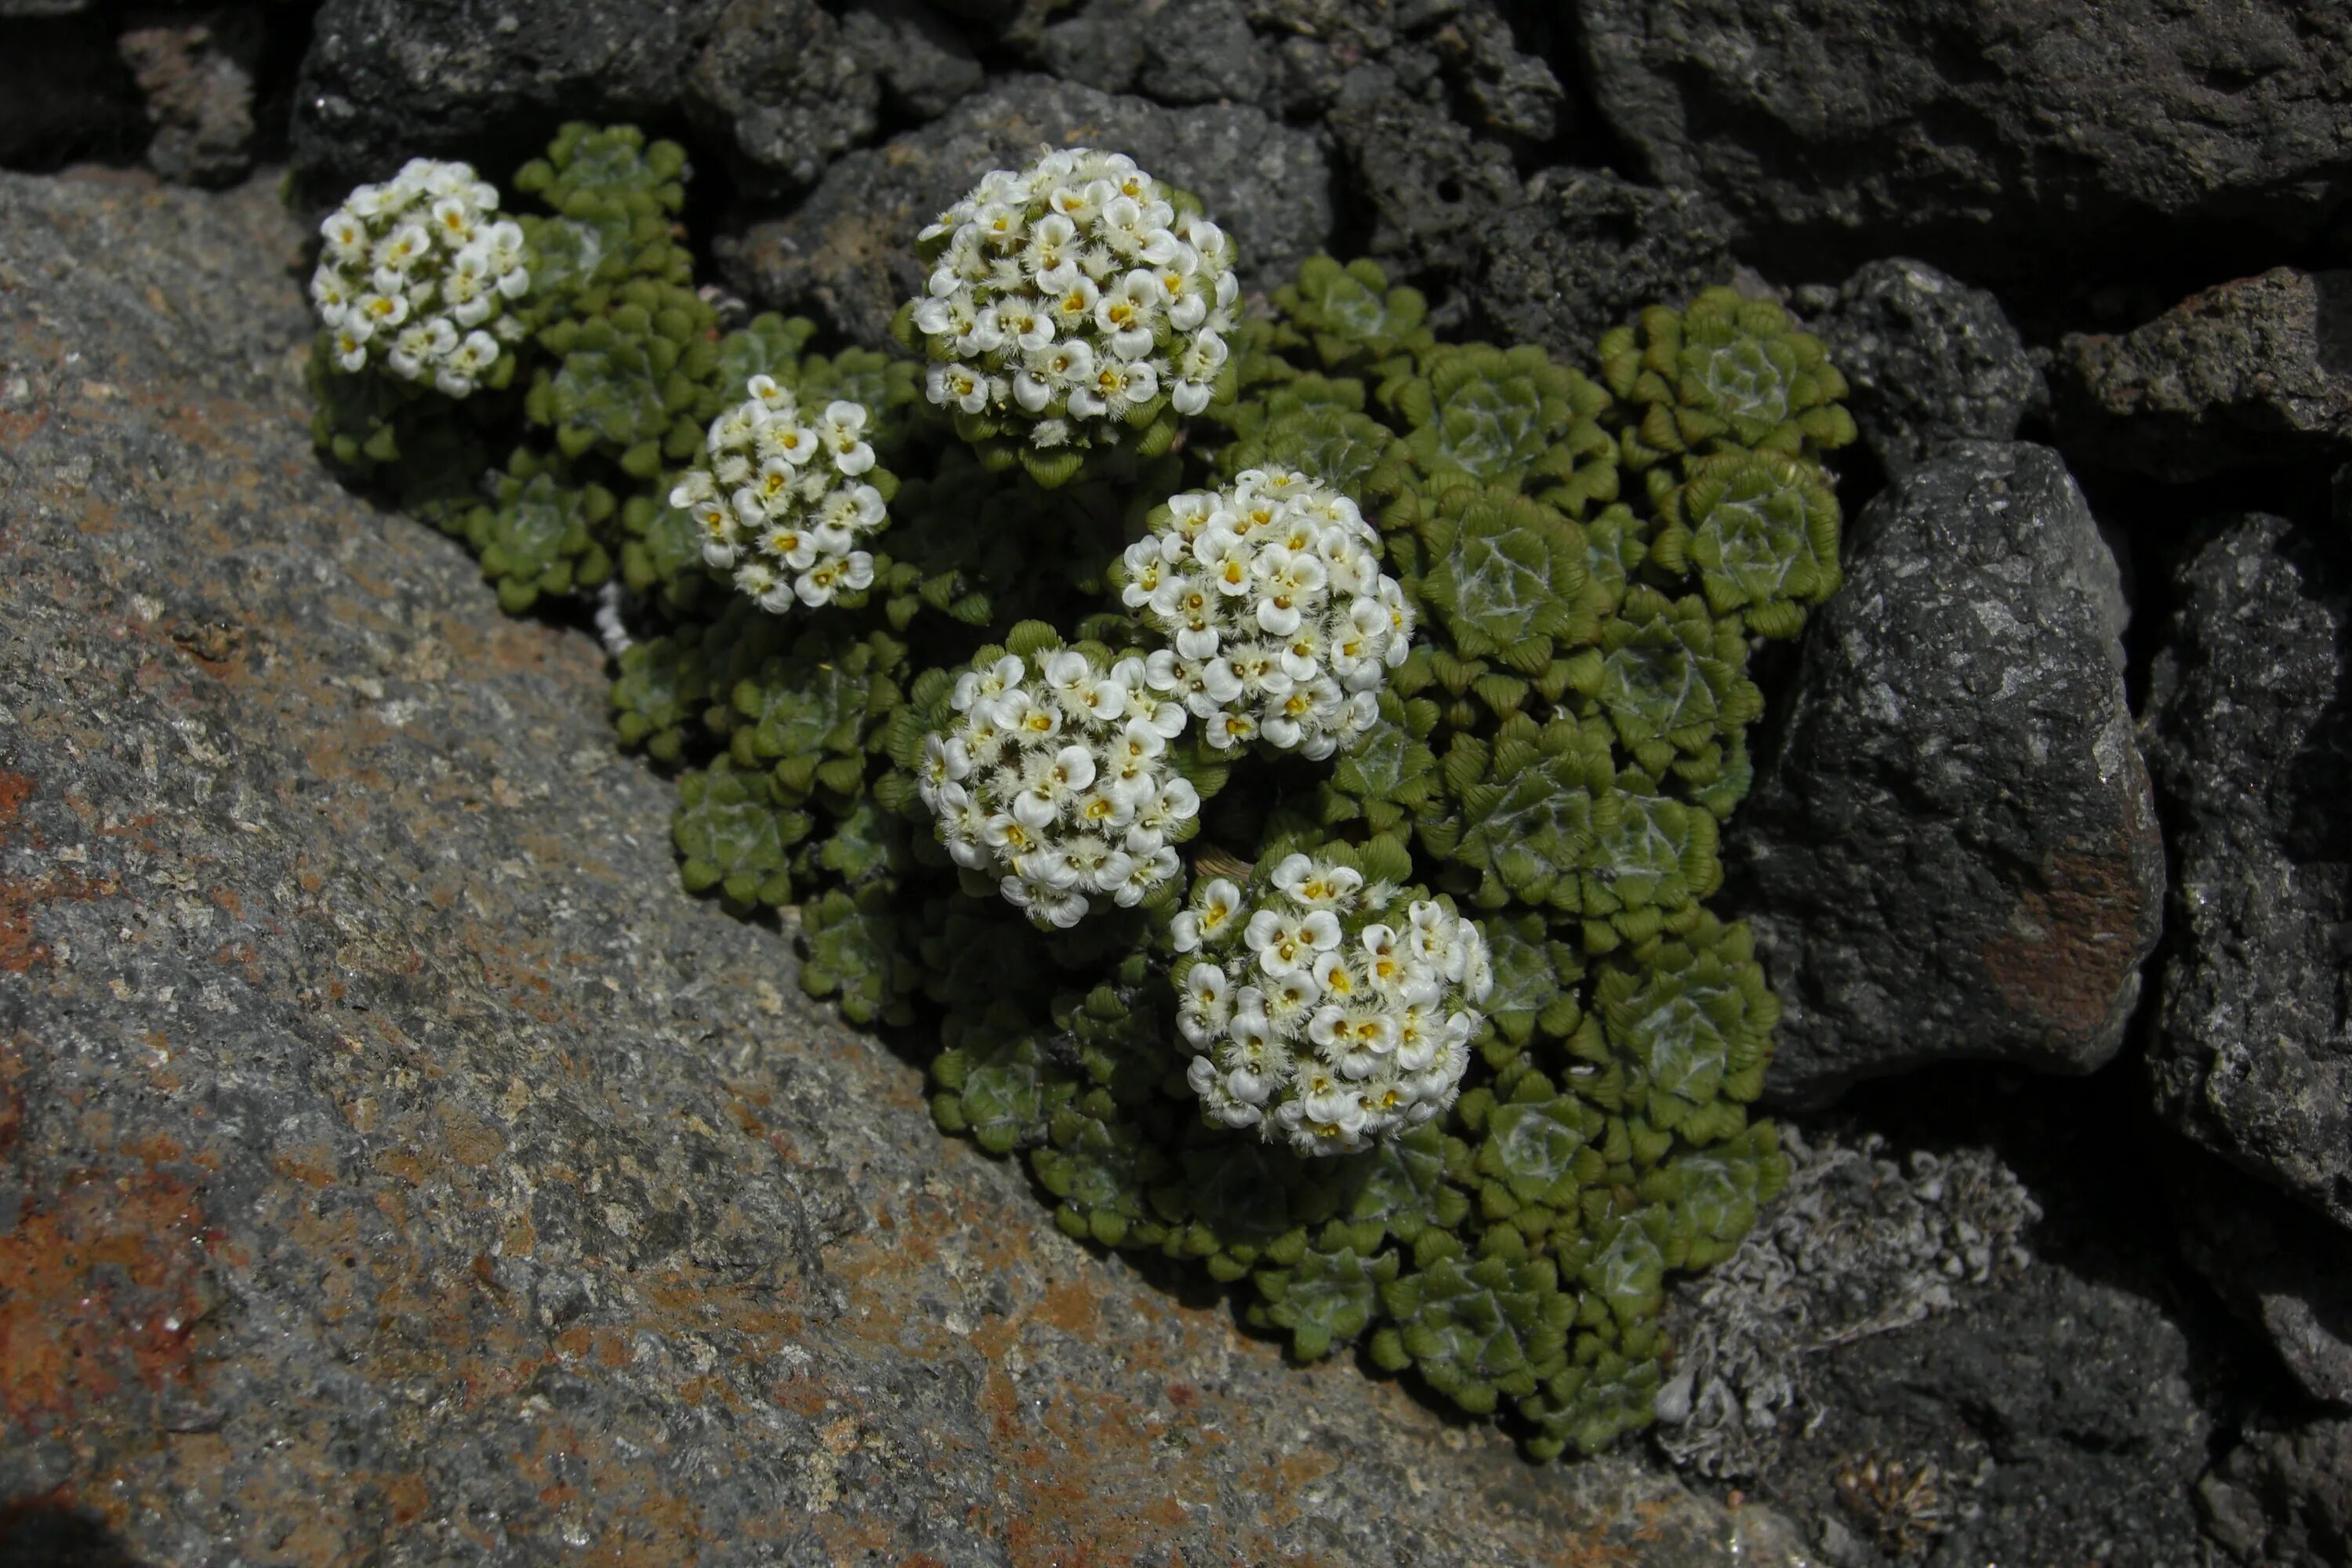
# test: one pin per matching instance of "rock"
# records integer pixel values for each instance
(780, 87)
(2280, 1266)
(2052, 1420)
(388, 1147)
(1918, 1344)
(2283, 1499)
(1951, 851)
(1101, 46)
(2000, 139)
(1203, 53)
(64, 93)
(1930, 361)
(2249, 734)
(1433, 188)
(1587, 250)
(846, 254)
(385, 80)
(2252, 372)
(924, 63)
(1863, 1240)
(198, 76)
(1507, 92)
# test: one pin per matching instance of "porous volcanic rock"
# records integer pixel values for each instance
(2000, 139)
(845, 254)
(395, 1164)
(2253, 372)
(2249, 732)
(1951, 851)
(779, 88)
(1587, 250)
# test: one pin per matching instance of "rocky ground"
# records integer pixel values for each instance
(394, 1165)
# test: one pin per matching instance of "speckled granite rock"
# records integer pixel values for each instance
(841, 255)
(395, 1165)
(1930, 361)
(1951, 852)
(2249, 734)
(2247, 372)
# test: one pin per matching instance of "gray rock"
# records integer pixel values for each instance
(2058, 1415)
(1587, 250)
(65, 94)
(1172, 51)
(395, 1163)
(2280, 1266)
(781, 88)
(1101, 46)
(385, 80)
(1434, 188)
(1929, 360)
(1951, 852)
(1202, 52)
(2001, 139)
(1507, 92)
(2252, 372)
(846, 254)
(2283, 1499)
(197, 74)
(2249, 732)
(924, 63)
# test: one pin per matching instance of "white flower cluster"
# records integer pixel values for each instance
(1058, 777)
(781, 505)
(1069, 293)
(1329, 1013)
(417, 273)
(1283, 624)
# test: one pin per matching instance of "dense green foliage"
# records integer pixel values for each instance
(1592, 553)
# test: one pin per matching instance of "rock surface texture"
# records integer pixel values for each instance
(2283, 1499)
(2250, 373)
(1952, 852)
(385, 80)
(2015, 135)
(2250, 735)
(842, 255)
(1587, 250)
(394, 1165)
(1930, 361)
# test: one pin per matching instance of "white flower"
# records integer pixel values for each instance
(1271, 594)
(426, 267)
(797, 510)
(1076, 252)
(1058, 777)
(1356, 1020)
